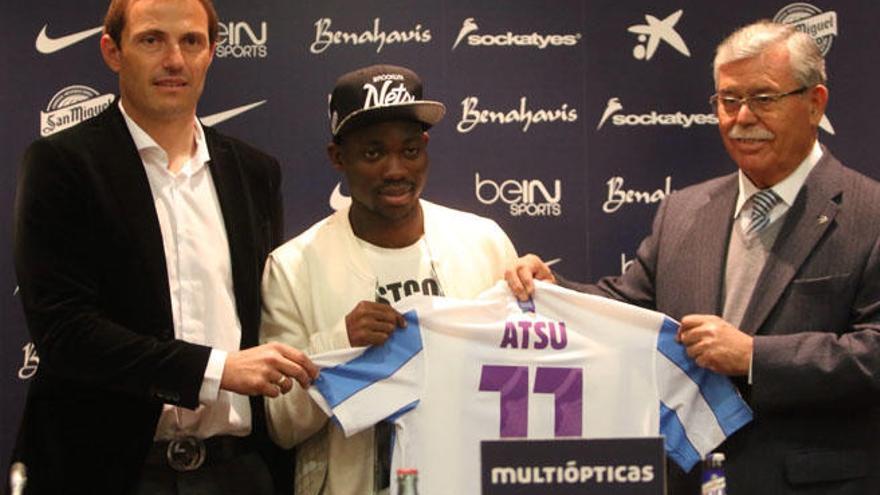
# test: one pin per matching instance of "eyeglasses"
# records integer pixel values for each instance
(758, 104)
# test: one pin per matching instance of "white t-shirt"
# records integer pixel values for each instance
(580, 366)
(402, 272)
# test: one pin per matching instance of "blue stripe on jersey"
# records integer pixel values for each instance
(730, 410)
(377, 363)
(403, 410)
(678, 447)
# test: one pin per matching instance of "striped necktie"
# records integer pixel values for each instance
(762, 202)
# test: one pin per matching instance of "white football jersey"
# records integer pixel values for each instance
(573, 366)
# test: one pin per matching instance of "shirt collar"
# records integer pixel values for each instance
(788, 188)
(145, 143)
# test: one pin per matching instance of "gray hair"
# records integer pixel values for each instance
(807, 61)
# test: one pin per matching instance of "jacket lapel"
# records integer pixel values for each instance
(235, 204)
(806, 222)
(711, 236)
(127, 183)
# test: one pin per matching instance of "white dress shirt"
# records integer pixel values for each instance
(199, 280)
(787, 189)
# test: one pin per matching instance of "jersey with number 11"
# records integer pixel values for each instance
(578, 366)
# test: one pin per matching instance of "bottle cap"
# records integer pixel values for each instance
(407, 471)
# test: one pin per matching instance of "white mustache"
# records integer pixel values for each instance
(756, 133)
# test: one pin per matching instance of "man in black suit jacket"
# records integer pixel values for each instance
(795, 278)
(140, 239)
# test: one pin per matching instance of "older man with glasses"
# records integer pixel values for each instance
(774, 273)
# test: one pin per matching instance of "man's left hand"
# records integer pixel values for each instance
(716, 344)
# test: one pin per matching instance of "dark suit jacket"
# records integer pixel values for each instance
(91, 269)
(815, 315)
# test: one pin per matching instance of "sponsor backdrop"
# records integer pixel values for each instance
(567, 121)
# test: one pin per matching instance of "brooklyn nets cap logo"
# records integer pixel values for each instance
(71, 106)
(811, 20)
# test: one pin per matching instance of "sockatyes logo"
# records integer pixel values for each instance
(71, 106)
(653, 117)
(469, 28)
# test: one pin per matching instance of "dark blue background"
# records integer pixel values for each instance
(292, 123)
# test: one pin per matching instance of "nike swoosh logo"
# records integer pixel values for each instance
(214, 119)
(47, 45)
(339, 201)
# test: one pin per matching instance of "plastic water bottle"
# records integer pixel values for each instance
(714, 481)
(407, 481)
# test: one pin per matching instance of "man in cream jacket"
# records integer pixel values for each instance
(333, 286)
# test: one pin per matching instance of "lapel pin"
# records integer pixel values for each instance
(823, 219)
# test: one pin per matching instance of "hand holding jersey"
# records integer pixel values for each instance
(604, 368)
(371, 323)
(712, 342)
(266, 369)
(521, 276)
(716, 345)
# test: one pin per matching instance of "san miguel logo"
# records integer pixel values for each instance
(71, 106)
(822, 26)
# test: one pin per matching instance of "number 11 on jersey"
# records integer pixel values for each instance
(512, 382)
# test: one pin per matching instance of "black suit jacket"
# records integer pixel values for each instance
(815, 315)
(91, 269)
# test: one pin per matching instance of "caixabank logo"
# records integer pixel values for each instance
(241, 39)
(807, 18)
(653, 32)
(468, 36)
(377, 35)
(523, 197)
(615, 115)
(71, 106)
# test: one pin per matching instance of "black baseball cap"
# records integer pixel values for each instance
(379, 93)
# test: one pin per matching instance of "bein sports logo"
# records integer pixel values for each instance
(239, 40)
(523, 197)
(822, 27)
(653, 117)
(651, 34)
(71, 106)
(536, 40)
(325, 37)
